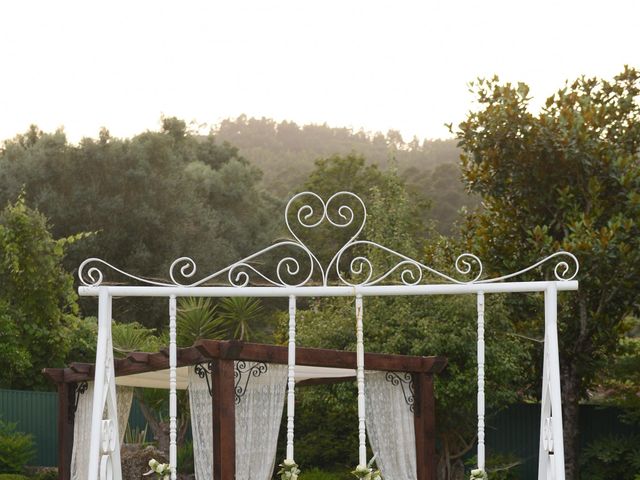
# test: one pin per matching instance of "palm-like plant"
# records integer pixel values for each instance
(238, 314)
(133, 337)
(196, 319)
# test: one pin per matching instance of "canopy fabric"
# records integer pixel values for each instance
(160, 378)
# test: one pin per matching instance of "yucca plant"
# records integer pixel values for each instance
(197, 319)
(133, 337)
(238, 314)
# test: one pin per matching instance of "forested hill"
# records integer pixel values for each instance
(286, 152)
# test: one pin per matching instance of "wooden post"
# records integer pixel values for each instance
(66, 398)
(224, 420)
(425, 426)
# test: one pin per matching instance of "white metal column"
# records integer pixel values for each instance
(291, 381)
(481, 403)
(551, 454)
(362, 435)
(104, 446)
(173, 399)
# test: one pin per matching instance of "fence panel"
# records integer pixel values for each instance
(35, 413)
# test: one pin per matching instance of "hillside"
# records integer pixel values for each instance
(286, 152)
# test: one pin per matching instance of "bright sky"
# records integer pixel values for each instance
(362, 64)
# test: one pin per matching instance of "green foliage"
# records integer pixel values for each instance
(136, 435)
(185, 457)
(16, 448)
(12, 476)
(38, 310)
(498, 466)
(611, 458)
(413, 326)
(197, 319)
(239, 314)
(620, 378)
(316, 474)
(46, 474)
(133, 337)
(567, 178)
(325, 437)
(151, 199)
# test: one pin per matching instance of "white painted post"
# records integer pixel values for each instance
(362, 436)
(481, 403)
(291, 381)
(104, 444)
(173, 399)
(551, 460)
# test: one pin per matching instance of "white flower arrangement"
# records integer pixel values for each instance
(162, 470)
(367, 472)
(289, 470)
(478, 474)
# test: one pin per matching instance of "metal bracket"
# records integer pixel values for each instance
(74, 398)
(243, 373)
(205, 371)
(406, 383)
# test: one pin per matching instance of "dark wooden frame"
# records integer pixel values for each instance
(222, 355)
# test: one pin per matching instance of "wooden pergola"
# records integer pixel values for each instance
(220, 356)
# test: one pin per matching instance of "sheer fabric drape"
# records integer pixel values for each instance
(258, 418)
(82, 428)
(201, 426)
(390, 427)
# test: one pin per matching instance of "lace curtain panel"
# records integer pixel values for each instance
(82, 428)
(258, 418)
(259, 411)
(390, 427)
(201, 426)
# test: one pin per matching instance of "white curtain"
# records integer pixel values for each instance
(390, 427)
(82, 428)
(258, 418)
(201, 426)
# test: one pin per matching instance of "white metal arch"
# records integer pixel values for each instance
(304, 275)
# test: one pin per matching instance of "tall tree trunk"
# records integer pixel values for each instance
(570, 416)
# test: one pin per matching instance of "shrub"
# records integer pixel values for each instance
(185, 457)
(16, 448)
(316, 474)
(46, 474)
(611, 457)
(12, 476)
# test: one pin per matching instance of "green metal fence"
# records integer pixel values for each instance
(35, 413)
(514, 431)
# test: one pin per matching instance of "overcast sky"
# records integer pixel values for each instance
(362, 64)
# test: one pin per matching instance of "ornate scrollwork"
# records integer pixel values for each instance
(74, 399)
(205, 371)
(243, 372)
(299, 265)
(405, 381)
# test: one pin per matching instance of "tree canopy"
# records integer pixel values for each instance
(149, 199)
(567, 178)
(38, 309)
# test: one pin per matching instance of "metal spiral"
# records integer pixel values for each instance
(340, 210)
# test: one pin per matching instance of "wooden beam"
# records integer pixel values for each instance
(66, 397)
(223, 410)
(319, 357)
(425, 426)
(204, 350)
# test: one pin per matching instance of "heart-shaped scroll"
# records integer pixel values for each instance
(343, 214)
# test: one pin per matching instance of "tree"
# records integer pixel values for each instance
(566, 178)
(150, 199)
(405, 325)
(38, 309)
